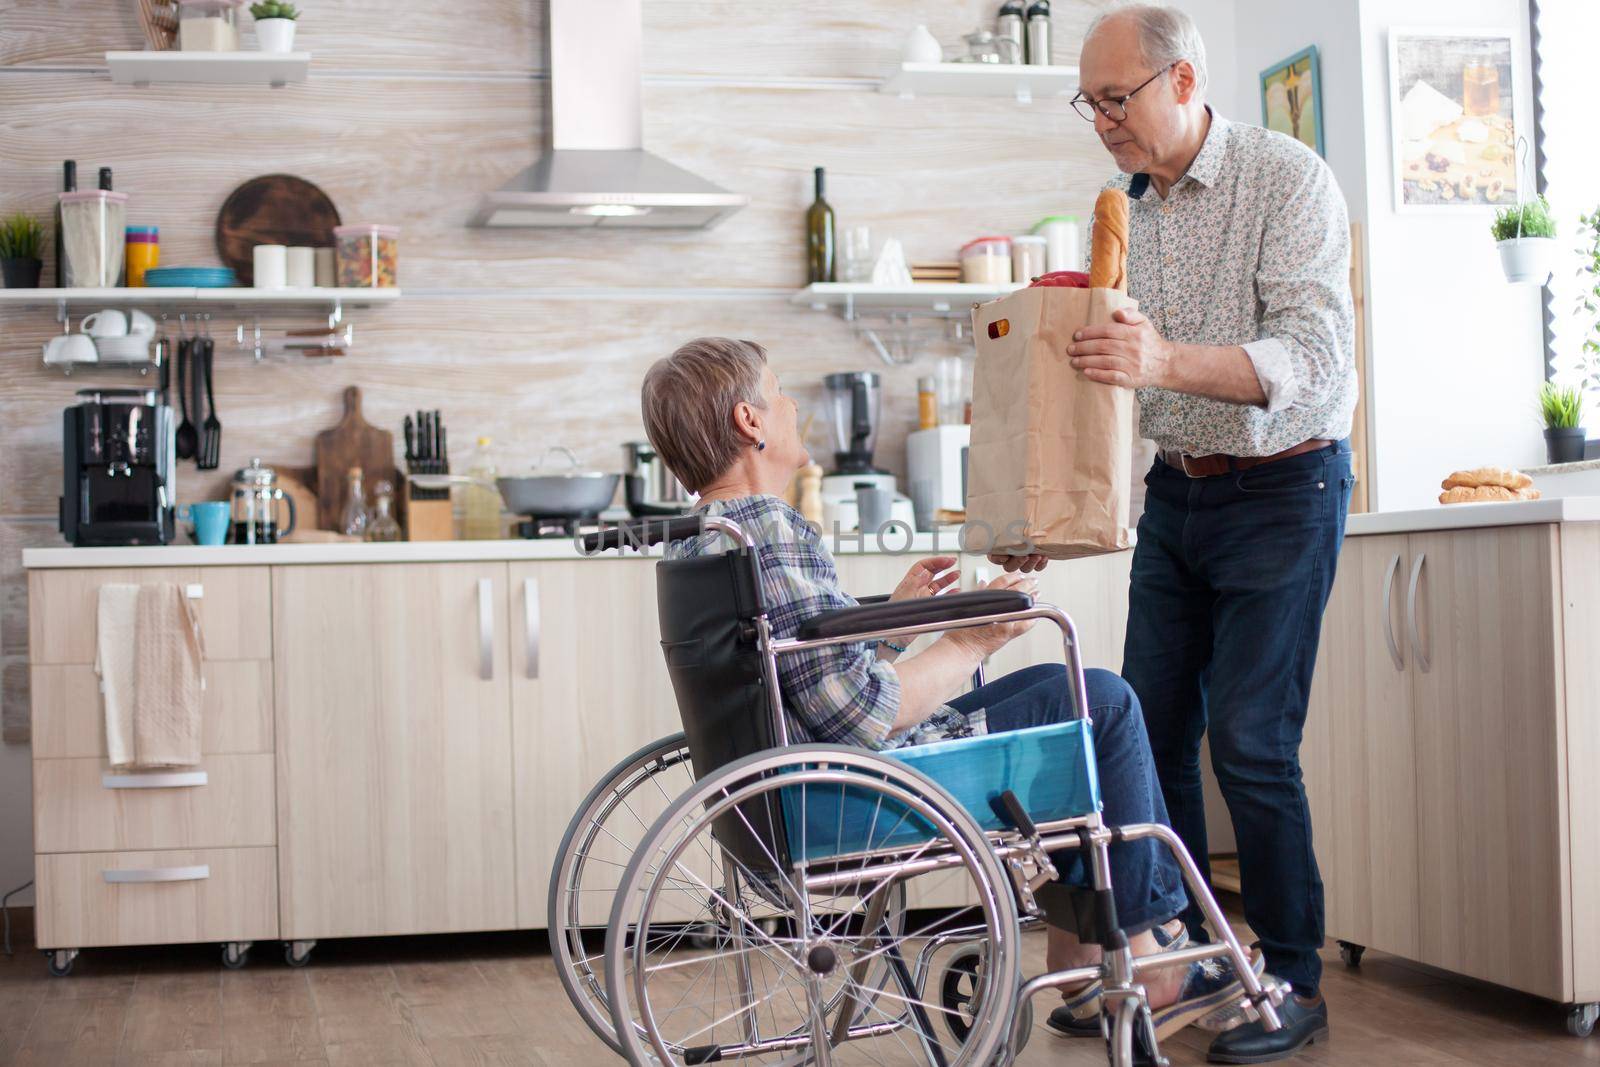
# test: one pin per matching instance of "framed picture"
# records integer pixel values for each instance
(1291, 99)
(1452, 113)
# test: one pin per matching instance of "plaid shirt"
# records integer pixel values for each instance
(843, 694)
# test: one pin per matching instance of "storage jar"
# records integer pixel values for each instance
(986, 261)
(368, 256)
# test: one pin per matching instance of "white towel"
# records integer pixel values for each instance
(167, 658)
(113, 662)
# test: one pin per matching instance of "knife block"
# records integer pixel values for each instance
(426, 515)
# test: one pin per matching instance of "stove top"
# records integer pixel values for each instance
(556, 527)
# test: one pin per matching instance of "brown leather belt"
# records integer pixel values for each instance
(1212, 466)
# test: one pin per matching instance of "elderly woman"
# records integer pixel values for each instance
(715, 413)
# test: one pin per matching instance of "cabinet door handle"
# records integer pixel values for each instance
(172, 780)
(138, 875)
(1411, 613)
(1388, 613)
(530, 623)
(486, 629)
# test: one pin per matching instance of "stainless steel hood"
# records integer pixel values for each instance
(596, 173)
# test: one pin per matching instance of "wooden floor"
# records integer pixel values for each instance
(495, 1000)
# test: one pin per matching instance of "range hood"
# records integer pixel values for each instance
(596, 173)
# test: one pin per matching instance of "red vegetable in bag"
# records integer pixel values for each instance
(1068, 279)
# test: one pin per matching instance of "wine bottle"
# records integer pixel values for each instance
(819, 237)
(69, 184)
(105, 178)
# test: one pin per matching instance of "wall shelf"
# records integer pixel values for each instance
(1025, 82)
(851, 299)
(212, 68)
(174, 296)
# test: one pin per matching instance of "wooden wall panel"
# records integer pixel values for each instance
(412, 114)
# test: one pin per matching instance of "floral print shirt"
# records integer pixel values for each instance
(1251, 247)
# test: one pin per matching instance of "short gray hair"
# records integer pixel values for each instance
(1166, 36)
(688, 401)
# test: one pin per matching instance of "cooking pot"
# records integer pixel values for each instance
(572, 493)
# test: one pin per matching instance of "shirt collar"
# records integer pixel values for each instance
(1207, 165)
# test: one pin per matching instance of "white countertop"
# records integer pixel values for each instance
(893, 542)
(1469, 516)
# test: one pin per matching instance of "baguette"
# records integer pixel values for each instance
(1108, 257)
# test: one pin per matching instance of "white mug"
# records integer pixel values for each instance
(107, 323)
(140, 324)
(71, 348)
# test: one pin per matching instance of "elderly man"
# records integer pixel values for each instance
(1242, 355)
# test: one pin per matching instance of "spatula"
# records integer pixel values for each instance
(211, 439)
(187, 439)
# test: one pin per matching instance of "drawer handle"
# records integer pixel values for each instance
(173, 780)
(194, 591)
(143, 875)
(530, 624)
(1417, 655)
(1388, 613)
(486, 629)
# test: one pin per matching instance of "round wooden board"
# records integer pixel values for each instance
(274, 209)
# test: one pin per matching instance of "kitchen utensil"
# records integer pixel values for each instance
(856, 403)
(254, 506)
(354, 442)
(573, 493)
(197, 370)
(211, 435)
(981, 48)
(163, 361)
(307, 514)
(117, 465)
(69, 348)
(208, 521)
(107, 323)
(188, 437)
(160, 22)
(130, 349)
(275, 209)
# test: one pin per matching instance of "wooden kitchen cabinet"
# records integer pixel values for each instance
(1453, 817)
(394, 749)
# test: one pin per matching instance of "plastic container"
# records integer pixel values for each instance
(1051, 769)
(1063, 242)
(927, 403)
(368, 256)
(93, 238)
(986, 261)
(208, 25)
(143, 252)
(1029, 255)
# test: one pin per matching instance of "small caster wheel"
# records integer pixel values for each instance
(60, 962)
(1351, 954)
(958, 995)
(235, 955)
(1581, 1019)
(298, 953)
(704, 938)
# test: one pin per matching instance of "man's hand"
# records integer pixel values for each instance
(924, 578)
(1127, 351)
(1026, 564)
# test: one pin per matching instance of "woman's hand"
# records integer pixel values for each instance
(985, 641)
(924, 578)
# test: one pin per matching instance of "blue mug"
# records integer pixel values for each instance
(209, 521)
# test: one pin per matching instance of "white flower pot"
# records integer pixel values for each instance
(1527, 259)
(275, 35)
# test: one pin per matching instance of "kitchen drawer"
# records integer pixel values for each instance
(231, 806)
(69, 716)
(235, 609)
(156, 898)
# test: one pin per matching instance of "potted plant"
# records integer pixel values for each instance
(1589, 301)
(275, 25)
(1561, 407)
(1526, 237)
(21, 237)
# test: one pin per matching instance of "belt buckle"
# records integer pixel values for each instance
(1183, 465)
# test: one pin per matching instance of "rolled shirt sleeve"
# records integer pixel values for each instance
(1306, 319)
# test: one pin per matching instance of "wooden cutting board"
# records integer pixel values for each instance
(276, 209)
(353, 443)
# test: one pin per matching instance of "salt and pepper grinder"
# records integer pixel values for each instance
(1010, 34)
(1039, 33)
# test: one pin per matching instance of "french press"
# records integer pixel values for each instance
(254, 510)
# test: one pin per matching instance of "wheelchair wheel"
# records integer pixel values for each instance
(594, 852)
(958, 985)
(824, 839)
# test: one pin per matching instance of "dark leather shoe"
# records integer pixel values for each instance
(1304, 1022)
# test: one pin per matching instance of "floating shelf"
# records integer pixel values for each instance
(213, 68)
(238, 296)
(1023, 81)
(851, 298)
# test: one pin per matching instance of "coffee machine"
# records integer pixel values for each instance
(119, 466)
(855, 403)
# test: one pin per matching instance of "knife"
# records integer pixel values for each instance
(438, 437)
(444, 454)
(411, 438)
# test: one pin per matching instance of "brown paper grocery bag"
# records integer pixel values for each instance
(1050, 464)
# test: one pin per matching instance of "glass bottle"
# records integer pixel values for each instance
(481, 517)
(69, 184)
(353, 523)
(381, 525)
(819, 238)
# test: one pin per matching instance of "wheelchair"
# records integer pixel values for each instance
(782, 903)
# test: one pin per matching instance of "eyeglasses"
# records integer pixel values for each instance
(1113, 108)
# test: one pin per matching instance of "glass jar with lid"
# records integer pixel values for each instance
(255, 506)
(208, 25)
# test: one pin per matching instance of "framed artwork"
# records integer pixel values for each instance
(1291, 98)
(1452, 113)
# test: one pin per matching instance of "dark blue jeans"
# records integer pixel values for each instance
(1230, 577)
(1145, 879)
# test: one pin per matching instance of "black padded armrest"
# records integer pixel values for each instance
(951, 608)
(875, 598)
(637, 533)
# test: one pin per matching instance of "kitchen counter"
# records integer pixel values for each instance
(334, 552)
(1471, 516)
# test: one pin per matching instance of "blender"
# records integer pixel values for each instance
(854, 404)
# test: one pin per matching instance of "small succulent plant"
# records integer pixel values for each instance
(274, 9)
(21, 237)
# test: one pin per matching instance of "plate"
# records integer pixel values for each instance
(275, 209)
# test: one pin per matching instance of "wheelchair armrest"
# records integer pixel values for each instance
(875, 598)
(640, 533)
(952, 608)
